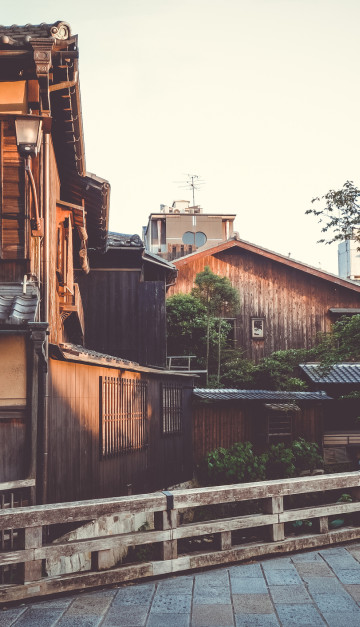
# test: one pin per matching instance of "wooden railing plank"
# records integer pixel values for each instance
(29, 520)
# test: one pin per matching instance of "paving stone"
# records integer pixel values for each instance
(246, 570)
(252, 604)
(212, 578)
(306, 557)
(7, 617)
(39, 617)
(129, 616)
(168, 620)
(353, 589)
(56, 603)
(342, 619)
(282, 577)
(211, 597)
(175, 603)
(134, 595)
(278, 563)
(90, 603)
(295, 615)
(80, 621)
(355, 552)
(250, 585)
(347, 576)
(256, 620)
(324, 585)
(314, 569)
(335, 603)
(182, 585)
(212, 616)
(297, 594)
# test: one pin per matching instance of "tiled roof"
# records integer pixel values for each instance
(17, 308)
(23, 34)
(73, 352)
(118, 240)
(344, 373)
(261, 395)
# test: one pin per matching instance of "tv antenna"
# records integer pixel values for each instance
(193, 182)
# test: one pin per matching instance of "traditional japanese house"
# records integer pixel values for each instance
(74, 423)
(341, 438)
(283, 303)
(262, 417)
(124, 300)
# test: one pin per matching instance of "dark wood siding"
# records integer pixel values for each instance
(76, 470)
(152, 338)
(295, 304)
(111, 310)
(223, 424)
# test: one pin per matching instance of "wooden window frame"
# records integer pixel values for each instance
(123, 416)
(254, 320)
(171, 409)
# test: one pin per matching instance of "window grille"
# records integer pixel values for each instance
(123, 425)
(171, 409)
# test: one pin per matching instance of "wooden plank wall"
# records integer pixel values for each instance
(295, 304)
(111, 309)
(223, 424)
(75, 469)
(152, 329)
(12, 180)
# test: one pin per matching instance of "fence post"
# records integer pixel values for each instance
(323, 524)
(275, 505)
(32, 539)
(167, 520)
(224, 540)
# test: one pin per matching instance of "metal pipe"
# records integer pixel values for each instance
(33, 189)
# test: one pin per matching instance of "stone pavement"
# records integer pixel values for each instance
(314, 588)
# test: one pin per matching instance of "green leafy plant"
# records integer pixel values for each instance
(279, 462)
(306, 455)
(235, 465)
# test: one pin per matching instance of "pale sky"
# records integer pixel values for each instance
(260, 98)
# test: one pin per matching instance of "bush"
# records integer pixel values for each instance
(279, 462)
(235, 465)
(306, 455)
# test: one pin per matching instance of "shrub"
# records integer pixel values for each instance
(306, 455)
(235, 465)
(279, 462)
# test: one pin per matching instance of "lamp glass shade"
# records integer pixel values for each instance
(28, 134)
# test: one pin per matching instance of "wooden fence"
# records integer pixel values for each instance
(174, 536)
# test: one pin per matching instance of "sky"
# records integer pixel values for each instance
(259, 98)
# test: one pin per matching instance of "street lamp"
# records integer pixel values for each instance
(28, 137)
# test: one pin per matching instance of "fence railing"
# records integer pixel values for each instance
(176, 543)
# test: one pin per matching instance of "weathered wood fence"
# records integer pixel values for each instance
(30, 526)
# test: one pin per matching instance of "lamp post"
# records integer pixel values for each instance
(28, 138)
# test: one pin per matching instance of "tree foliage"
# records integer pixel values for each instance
(220, 299)
(339, 213)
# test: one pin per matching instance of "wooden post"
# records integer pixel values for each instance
(323, 524)
(275, 505)
(224, 540)
(167, 520)
(32, 539)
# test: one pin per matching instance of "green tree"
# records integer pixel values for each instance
(220, 299)
(339, 213)
(341, 344)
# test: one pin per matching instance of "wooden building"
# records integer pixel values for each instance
(262, 417)
(124, 300)
(283, 303)
(341, 438)
(74, 423)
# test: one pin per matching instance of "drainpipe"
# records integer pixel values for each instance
(46, 252)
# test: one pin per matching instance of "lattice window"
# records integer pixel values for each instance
(123, 421)
(171, 408)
